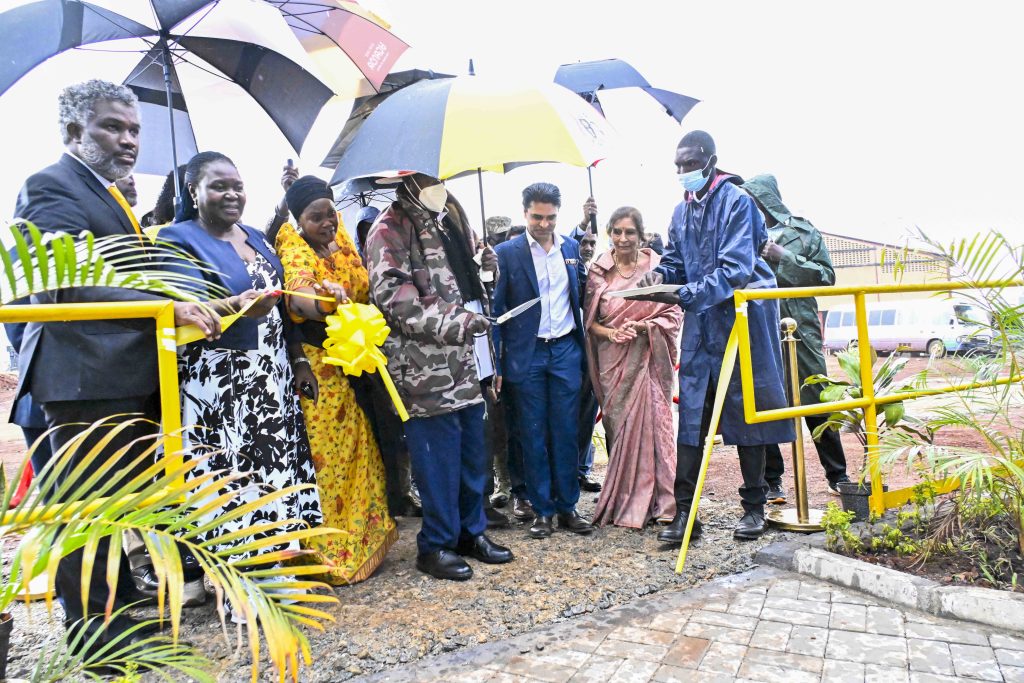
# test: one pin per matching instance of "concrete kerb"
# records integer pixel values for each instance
(1001, 609)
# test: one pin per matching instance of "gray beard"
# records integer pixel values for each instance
(100, 162)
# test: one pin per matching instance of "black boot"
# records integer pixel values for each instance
(676, 529)
(751, 526)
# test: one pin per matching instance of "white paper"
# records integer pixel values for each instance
(653, 289)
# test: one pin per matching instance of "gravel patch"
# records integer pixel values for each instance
(401, 615)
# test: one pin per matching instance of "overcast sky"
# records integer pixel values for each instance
(875, 116)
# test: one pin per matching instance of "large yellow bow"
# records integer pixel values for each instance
(354, 333)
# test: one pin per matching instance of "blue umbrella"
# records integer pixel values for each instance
(586, 79)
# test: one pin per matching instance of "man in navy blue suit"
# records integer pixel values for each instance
(541, 357)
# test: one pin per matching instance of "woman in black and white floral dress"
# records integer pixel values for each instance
(237, 393)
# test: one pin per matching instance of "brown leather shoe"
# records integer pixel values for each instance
(574, 523)
(521, 509)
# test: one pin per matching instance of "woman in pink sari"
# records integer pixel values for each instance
(632, 348)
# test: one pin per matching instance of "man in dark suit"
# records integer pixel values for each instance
(541, 354)
(83, 372)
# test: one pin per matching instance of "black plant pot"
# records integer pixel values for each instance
(6, 626)
(855, 498)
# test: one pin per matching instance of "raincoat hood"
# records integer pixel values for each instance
(765, 189)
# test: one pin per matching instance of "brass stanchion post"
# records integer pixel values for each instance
(801, 518)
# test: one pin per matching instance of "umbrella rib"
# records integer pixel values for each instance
(181, 58)
(209, 8)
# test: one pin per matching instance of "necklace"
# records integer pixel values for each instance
(636, 264)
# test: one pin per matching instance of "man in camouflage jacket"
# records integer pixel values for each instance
(425, 281)
(798, 256)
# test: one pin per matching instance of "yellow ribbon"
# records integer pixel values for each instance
(186, 334)
(354, 335)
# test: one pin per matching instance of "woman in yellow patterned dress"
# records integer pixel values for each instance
(319, 258)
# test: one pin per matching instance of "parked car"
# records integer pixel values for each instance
(931, 326)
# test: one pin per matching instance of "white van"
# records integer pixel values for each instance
(931, 326)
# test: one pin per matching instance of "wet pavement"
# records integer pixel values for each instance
(764, 625)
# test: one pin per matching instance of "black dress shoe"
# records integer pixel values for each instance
(541, 528)
(484, 549)
(776, 494)
(676, 529)
(572, 521)
(444, 564)
(751, 526)
(405, 506)
(145, 580)
(190, 567)
(495, 519)
(521, 508)
(589, 485)
(499, 500)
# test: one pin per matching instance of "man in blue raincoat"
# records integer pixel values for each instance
(714, 248)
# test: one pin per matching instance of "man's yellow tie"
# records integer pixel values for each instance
(119, 198)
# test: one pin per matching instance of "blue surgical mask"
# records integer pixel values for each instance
(694, 181)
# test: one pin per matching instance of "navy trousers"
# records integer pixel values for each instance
(449, 465)
(588, 414)
(516, 473)
(547, 411)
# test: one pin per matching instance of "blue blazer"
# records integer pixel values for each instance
(230, 274)
(514, 341)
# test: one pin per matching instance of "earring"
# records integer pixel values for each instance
(195, 204)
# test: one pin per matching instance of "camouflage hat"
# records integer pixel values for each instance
(498, 225)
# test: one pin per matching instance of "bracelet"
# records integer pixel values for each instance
(299, 361)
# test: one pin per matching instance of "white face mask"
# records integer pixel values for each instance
(434, 197)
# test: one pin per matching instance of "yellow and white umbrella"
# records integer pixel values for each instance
(448, 127)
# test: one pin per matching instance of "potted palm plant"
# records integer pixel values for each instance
(893, 415)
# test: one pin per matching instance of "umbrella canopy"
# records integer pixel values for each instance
(364, 106)
(450, 126)
(289, 56)
(247, 43)
(345, 41)
(587, 78)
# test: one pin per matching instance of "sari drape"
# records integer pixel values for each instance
(633, 383)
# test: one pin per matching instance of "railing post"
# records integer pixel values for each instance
(170, 397)
(801, 518)
(867, 385)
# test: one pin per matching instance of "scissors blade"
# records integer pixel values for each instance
(505, 317)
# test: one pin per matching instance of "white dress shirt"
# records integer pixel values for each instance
(556, 318)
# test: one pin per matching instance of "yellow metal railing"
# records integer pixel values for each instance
(162, 311)
(739, 345)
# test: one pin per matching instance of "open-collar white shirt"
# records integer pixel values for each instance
(556, 318)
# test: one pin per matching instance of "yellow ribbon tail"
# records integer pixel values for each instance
(186, 334)
(392, 391)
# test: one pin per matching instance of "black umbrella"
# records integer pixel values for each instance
(588, 78)
(364, 106)
(246, 43)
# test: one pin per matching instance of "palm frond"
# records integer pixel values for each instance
(159, 655)
(41, 262)
(161, 508)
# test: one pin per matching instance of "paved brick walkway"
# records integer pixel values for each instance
(767, 625)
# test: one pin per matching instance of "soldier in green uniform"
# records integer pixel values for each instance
(797, 254)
